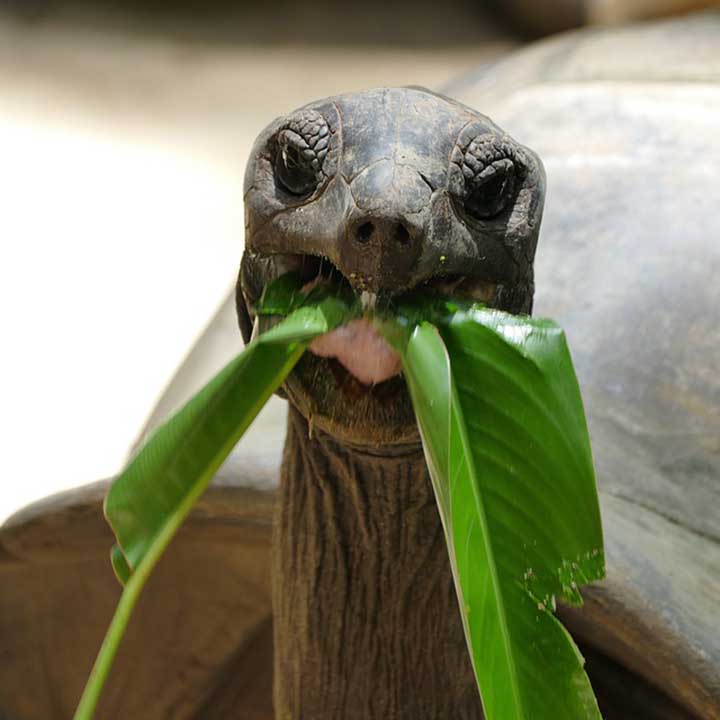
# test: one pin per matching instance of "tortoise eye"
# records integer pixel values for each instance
(487, 173)
(300, 151)
(490, 191)
(296, 164)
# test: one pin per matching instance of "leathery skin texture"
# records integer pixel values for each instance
(366, 617)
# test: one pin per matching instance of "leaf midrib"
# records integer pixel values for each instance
(480, 508)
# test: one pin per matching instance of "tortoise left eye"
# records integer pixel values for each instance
(491, 190)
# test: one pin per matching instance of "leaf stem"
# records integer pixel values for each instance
(111, 643)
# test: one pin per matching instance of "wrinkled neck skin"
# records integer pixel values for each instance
(366, 618)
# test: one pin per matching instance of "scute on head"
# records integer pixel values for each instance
(387, 189)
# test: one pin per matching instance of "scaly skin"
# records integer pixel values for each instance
(366, 617)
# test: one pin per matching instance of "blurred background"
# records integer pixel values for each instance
(124, 129)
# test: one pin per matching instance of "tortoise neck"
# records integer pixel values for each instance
(366, 619)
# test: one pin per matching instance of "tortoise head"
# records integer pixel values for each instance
(387, 190)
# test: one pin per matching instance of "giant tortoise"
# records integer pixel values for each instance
(628, 260)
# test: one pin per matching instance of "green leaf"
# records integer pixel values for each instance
(504, 431)
(505, 436)
(288, 292)
(281, 296)
(149, 500)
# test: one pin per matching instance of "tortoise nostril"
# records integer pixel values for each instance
(365, 231)
(402, 236)
(383, 232)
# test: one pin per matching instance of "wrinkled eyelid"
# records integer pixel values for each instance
(504, 165)
(310, 125)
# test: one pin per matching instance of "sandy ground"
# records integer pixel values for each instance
(122, 149)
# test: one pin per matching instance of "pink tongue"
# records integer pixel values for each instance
(361, 350)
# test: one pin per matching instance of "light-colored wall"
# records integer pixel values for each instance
(121, 223)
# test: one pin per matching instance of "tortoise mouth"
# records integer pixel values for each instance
(358, 357)
(316, 269)
(349, 403)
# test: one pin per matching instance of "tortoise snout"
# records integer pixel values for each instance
(384, 234)
(380, 251)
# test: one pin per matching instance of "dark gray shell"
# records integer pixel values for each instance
(627, 124)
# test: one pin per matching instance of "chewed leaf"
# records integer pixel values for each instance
(504, 431)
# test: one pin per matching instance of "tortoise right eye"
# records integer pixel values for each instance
(296, 164)
(491, 169)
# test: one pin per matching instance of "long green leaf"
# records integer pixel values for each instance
(149, 500)
(503, 427)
